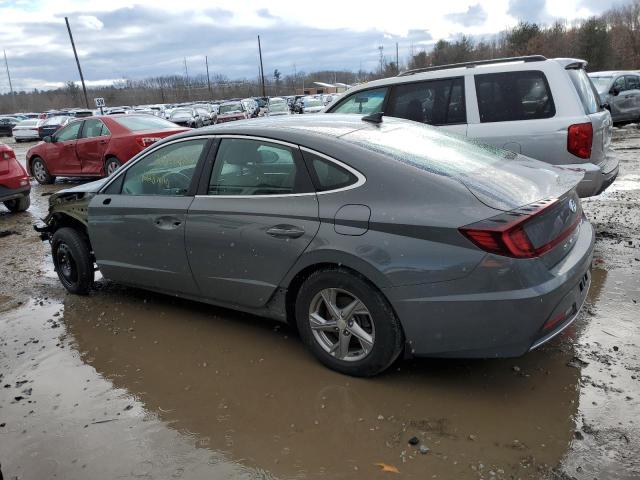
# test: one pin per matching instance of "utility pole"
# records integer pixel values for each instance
(397, 60)
(75, 54)
(206, 61)
(6, 64)
(264, 93)
(295, 78)
(186, 76)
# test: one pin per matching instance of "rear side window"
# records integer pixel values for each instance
(586, 91)
(364, 103)
(511, 96)
(328, 175)
(94, 128)
(436, 102)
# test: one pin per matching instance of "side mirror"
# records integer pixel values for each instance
(47, 139)
(615, 91)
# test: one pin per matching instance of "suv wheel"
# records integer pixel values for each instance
(18, 204)
(72, 260)
(40, 172)
(347, 323)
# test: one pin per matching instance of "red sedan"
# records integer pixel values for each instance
(95, 146)
(14, 182)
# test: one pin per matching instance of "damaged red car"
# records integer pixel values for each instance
(95, 146)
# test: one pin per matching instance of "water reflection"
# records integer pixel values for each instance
(246, 386)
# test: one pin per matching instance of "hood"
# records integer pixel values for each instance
(91, 187)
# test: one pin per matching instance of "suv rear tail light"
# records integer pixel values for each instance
(7, 155)
(506, 234)
(144, 142)
(580, 139)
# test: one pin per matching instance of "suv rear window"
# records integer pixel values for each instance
(510, 96)
(586, 91)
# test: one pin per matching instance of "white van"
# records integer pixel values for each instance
(546, 109)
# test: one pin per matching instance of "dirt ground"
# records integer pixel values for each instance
(128, 384)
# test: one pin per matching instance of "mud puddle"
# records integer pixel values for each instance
(244, 389)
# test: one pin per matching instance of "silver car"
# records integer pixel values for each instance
(374, 239)
(544, 108)
(620, 92)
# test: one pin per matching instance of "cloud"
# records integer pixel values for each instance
(90, 22)
(534, 11)
(474, 16)
(265, 13)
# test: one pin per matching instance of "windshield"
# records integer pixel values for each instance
(232, 107)
(601, 83)
(137, 123)
(312, 102)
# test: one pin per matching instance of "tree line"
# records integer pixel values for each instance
(610, 41)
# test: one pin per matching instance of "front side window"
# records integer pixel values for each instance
(362, 103)
(94, 128)
(70, 132)
(436, 102)
(255, 167)
(511, 96)
(633, 82)
(165, 171)
(619, 84)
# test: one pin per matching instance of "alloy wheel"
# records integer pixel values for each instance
(342, 324)
(39, 171)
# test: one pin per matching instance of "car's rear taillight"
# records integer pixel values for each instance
(144, 142)
(580, 139)
(527, 232)
(7, 155)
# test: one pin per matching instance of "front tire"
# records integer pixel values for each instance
(111, 165)
(18, 204)
(72, 260)
(41, 173)
(347, 323)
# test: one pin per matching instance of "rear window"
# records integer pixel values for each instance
(137, 123)
(511, 96)
(429, 150)
(586, 91)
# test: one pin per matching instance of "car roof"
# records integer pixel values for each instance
(295, 129)
(610, 73)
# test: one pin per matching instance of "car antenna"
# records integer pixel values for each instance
(373, 117)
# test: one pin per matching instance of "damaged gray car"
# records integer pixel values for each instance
(375, 238)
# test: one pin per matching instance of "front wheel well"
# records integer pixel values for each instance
(61, 220)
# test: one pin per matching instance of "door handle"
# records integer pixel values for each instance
(285, 231)
(106, 201)
(103, 142)
(167, 223)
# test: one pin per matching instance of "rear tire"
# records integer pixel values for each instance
(372, 334)
(40, 172)
(72, 260)
(18, 204)
(111, 165)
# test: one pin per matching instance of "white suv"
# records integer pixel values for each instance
(547, 109)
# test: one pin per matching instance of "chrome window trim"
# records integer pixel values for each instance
(361, 179)
(152, 149)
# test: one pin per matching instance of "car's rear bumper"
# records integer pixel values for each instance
(500, 309)
(597, 178)
(14, 193)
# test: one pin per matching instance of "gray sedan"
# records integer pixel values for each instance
(374, 238)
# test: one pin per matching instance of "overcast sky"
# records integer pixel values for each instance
(124, 39)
